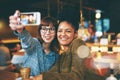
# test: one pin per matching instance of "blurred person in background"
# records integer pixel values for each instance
(91, 31)
(5, 57)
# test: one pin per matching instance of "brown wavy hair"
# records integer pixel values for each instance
(46, 21)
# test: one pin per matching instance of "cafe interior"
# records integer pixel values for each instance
(98, 27)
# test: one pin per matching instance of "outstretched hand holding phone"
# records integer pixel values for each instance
(14, 22)
(19, 20)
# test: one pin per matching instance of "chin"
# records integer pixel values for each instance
(47, 42)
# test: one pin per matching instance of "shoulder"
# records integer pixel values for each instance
(78, 47)
(36, 40)
(77, 42)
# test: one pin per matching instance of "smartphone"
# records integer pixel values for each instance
(30, 18)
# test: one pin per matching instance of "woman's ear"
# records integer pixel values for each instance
(76, 34)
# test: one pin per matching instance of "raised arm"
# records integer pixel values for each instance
(27, 41)
(14, 22)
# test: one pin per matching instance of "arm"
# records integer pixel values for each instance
(79, 70)
(27, 41)
(76, 73)
(14, 21)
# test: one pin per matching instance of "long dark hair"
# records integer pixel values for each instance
(46, 21)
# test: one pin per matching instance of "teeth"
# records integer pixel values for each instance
(63, 38)
(47, 37)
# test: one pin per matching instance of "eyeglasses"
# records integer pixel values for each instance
(51, 30)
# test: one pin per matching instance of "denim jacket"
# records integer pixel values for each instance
(35, 57)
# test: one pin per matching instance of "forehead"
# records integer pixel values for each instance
(47, 25)
(65, 25)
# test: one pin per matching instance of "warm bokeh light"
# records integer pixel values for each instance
(2, 24)
(116, 49)
(98, 14)
(104, 49)
(94, 49)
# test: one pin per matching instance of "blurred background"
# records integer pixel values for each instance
(99, 26)
(109, 10)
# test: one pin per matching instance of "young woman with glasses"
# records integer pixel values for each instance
(41, 52)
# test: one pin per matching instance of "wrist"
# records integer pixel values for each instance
(20, 30)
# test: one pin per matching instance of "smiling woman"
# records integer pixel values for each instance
(41, 51)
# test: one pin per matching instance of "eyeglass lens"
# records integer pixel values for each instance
(45, 29)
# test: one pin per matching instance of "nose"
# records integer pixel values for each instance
(48, 31)
(63, 33)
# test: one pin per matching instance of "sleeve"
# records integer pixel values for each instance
(76, 73)
(75, 44)
(27, 41)
(79, 71)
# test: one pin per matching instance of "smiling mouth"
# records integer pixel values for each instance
(47, 37)
(64, 39)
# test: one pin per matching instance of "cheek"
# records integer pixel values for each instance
(41, 34)
(53, 35)
(71, 36)
(58, 34)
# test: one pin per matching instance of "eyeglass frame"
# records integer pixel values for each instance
(44, 30)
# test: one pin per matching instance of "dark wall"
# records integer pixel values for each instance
(114, 11)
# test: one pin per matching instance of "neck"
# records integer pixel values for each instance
(46, 47)
(47, 51)
(63, 48)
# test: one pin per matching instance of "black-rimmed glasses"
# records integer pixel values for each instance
(45, 29)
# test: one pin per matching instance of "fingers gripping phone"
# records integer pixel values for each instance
(30, 18)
